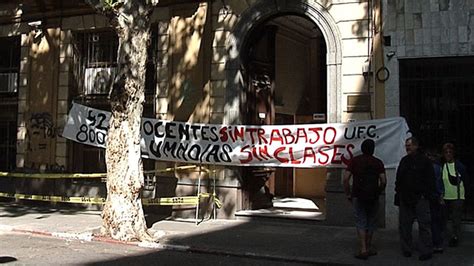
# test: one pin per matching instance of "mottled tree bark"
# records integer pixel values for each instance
(122, 216)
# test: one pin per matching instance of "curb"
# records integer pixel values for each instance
(88, 237)
(264, 256)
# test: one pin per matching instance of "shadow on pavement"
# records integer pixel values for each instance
(258, 242)
(7, 259)
(13, 209)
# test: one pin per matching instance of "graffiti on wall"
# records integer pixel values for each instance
(41, 124)
(41, 133)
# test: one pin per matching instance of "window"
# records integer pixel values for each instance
(151, 62)
(95, 67)
(9, 64)
(96, 61)
(9, 72)
(8, 131)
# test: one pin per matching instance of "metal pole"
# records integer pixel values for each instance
(214, 210)
(198, 193)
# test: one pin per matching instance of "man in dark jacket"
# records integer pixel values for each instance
(415, 188)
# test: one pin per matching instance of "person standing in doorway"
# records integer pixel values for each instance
(369, 181)
(454, 175)
(415, 188)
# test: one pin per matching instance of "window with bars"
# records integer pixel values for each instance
(95, 57)
(437, 100)
(8, 133)
(95, 60)
(8, 130)
(95, 66)
(9, 74)
(9, 64)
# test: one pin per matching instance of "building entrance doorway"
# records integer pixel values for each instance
(286, 76)
(437, 100)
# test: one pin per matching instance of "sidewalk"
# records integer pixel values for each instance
(267, 239)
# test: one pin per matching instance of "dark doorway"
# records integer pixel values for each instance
(285, 71)
(437, 100)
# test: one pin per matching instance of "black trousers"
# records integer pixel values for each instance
(454, 211)
(437, 224)
(407, 215)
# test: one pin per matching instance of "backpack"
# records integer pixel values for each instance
(368, 183)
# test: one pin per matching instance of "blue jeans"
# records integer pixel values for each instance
(366, 214)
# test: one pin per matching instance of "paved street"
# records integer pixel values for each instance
(43, 236)
(26, 249)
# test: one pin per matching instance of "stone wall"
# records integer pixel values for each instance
(424, 29)
(421, 29)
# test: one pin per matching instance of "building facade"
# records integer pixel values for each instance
(228, 62)
(428, 52)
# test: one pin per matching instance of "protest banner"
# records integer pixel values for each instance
(301, 145)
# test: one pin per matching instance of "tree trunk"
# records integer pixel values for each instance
(122, 216)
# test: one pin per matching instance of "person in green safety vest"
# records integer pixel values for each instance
(454, 175)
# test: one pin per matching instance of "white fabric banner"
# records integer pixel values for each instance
(305, 145)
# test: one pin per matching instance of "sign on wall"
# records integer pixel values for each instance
(305, 145)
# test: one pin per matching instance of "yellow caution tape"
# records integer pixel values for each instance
(95, 175)
(54, 198)
(214, 199)
(187, 200)
(171, 169)
(51, 175)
